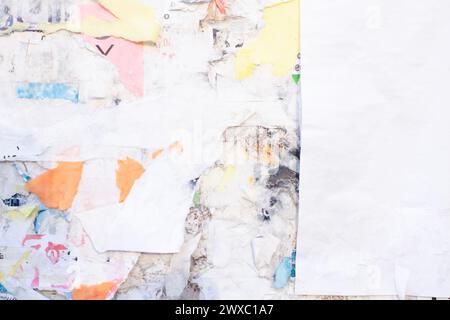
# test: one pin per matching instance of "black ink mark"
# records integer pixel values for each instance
(103, 38)
(107, 51)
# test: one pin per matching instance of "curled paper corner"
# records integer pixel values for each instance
(282, 273)
(277, 44)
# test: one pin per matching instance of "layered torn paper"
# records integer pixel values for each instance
(113, 114)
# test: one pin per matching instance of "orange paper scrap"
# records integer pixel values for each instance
(56, 188)
(128, 172)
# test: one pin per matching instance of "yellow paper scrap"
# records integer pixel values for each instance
(226, 178)
(278, 43)
(135, 22)
(21, 213)
(16, 266)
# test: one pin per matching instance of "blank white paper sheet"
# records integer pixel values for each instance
(375, 160)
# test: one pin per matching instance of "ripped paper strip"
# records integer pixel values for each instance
(134, 21)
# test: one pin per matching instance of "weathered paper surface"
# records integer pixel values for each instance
(375, 178)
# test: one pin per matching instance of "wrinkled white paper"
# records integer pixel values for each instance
(152, 217)
(375, 174)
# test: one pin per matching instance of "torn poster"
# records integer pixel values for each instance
(133, 20)
(375, 179)
(127, 127)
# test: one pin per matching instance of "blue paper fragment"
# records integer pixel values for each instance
(39, 218)
(282, 273)
(3, 289)
(293, 258)
(44, 213)
(24, 176)
(41, 91)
